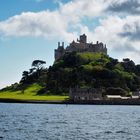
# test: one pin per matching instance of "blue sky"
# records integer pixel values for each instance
(17, 53)
(30, 29)
(13, 7)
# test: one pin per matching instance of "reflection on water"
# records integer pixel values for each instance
(72, 122)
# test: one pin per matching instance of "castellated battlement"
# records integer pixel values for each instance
(80, 46)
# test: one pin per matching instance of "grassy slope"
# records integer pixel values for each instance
(29, 94)
(90, 56)
(87, 59)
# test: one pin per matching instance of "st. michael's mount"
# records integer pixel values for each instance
(80, 46)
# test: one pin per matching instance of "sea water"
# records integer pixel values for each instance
(69, 122)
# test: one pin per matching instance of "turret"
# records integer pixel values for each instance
(83, 38)
(60, 46)
(59, 51)
(63, 44)
(80, 46)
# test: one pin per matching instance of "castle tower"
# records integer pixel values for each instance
(59, 51)
(83, 38)
(59, 46)
(80, 46)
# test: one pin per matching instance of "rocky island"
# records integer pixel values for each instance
(82, 73)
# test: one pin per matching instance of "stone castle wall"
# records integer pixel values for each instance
(88, 94)
(80, 46)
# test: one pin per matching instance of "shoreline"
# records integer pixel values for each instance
(93, 102)
(4, 100)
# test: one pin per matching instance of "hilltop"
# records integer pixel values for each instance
(81, 64)
(93, 70)
(86, 69)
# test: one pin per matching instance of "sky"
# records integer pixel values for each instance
(31, 29)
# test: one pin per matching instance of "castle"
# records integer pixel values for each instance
(80, 46)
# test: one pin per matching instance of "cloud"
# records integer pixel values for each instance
(109, 31)
(78, 9)
(63, 22)
(131, 30)
(133, 56)
(125, 6)
(47, 24)
(120, 33)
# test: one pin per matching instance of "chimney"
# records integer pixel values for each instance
(97, 42)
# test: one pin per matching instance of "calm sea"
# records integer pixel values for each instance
(71, 122)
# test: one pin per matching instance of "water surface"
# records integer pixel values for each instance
(69, 122)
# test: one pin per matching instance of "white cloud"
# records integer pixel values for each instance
(79, 8)
(109, 33)
(65, 23)
(47, 24)
(51, 24)
(125, 6)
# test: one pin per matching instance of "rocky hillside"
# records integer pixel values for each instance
(95, 70)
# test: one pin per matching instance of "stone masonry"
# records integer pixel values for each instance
(80, 46)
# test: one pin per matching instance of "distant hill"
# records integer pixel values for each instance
(96, 70)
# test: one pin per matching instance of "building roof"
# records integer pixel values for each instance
(113, 96)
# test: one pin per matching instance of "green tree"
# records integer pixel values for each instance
(38, 64)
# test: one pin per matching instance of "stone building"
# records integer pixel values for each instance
(136, 94)
(85, 94)
(59, 51)
(80, 46)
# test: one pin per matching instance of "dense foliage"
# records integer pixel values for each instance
(92, 70)
(84, 70)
